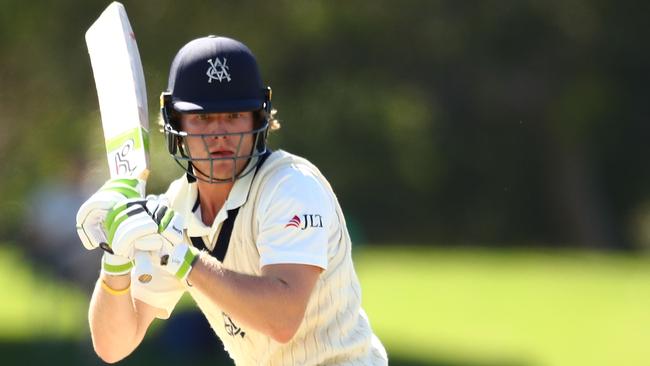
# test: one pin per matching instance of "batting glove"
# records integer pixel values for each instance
(129, 223)
(176, 256)
(91, 216)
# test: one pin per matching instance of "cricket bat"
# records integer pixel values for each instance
(122, 95)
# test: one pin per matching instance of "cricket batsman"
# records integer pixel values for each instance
(257, 237)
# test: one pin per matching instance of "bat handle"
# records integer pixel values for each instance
(143, 266)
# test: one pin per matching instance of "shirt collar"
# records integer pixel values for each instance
(239, 192)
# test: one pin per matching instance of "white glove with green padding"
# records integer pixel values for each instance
(139, 225)
(130, 227)
(92, 214)
(176, 256)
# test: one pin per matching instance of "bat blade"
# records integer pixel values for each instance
(121, 91)
(122, 95)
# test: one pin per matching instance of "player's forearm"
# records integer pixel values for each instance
(113, 320)
(265, 304)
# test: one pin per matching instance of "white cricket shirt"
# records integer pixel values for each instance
(288, 213)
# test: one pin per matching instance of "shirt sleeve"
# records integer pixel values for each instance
(162, 292)
(294, 218)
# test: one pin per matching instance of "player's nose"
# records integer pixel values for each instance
(217, 127)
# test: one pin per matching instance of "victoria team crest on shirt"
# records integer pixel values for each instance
(231, 328)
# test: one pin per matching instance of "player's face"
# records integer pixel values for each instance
(228, 138)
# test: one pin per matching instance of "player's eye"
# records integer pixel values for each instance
(234, 115)
(203, 117)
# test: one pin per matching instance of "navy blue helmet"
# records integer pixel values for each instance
(214, 75)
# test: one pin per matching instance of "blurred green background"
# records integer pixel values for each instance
(489, 156)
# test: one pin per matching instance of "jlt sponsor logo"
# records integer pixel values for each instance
(306, 221)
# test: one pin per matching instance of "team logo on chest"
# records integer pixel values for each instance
(231, 328)
(218, 70)
(306, 221)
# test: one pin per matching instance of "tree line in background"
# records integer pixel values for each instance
(489, 122)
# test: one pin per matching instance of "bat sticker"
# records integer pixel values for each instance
(122, 162)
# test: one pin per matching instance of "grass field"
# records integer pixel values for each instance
(36, 306)
(464, 307)
(480, 307)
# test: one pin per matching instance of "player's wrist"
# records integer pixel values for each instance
(115, 284)
(115, 292)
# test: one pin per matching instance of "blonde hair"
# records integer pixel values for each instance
(274, 122)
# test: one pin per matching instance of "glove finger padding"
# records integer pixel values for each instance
(170, 224)
(170, 227)
(127, 187)
(92, 213)
(177, 256)
(150, 243)
(127, 223)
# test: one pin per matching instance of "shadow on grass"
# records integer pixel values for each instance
(155, 353)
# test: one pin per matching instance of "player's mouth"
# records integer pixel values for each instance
(222, 153)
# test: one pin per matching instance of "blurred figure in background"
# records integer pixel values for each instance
(49, 234)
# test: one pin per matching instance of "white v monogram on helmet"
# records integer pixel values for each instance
(218, 70)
